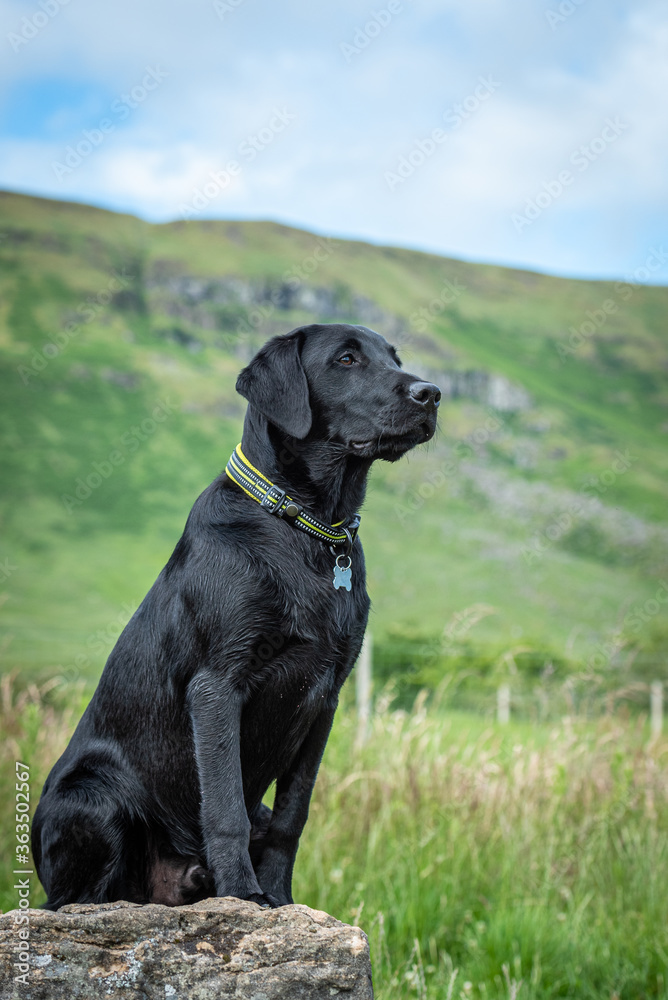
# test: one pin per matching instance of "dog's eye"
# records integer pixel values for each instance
(347, 360)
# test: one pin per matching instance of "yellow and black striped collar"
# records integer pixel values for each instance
(276, 501)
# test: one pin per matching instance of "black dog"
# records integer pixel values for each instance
(227, 677)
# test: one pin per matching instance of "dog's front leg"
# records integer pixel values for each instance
(290, 812)
(215, 708)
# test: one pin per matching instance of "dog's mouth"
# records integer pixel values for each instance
(385, 445)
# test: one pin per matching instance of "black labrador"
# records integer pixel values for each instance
(227, 677)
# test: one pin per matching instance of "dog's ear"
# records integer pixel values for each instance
(274, 382)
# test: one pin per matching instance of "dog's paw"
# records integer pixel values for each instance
(263, 900)
(277, 897)
(277, 901)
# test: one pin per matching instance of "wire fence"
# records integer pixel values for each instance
(547, 698)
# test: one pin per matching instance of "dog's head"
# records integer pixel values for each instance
(342, 384)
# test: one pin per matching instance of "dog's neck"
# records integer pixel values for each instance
(331, 488)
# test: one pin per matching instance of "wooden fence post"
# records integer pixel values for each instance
(503, 705)
(363, 681)
(656, 707)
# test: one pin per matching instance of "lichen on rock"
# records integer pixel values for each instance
(215, 948)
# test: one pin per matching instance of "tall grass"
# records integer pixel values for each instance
(525, 862)
(36, 721)
(490, 864)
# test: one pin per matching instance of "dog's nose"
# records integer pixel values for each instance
(426, 393)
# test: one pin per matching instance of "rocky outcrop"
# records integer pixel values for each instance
(238, 314)
(223, 303)
(488, 388)
(216, 948)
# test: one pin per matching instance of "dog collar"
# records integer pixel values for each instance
(276, 501)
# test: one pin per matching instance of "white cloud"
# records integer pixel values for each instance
(352, 122)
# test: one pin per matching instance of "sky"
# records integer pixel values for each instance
(530, 134)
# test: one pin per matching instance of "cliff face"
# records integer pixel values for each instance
(238, 315)
(216, 948)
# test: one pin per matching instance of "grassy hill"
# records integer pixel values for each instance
(531, 532)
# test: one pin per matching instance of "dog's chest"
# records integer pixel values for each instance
(319, 624)
(326, 599)
(300, 665)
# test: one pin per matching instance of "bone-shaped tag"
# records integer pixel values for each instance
(343, 577)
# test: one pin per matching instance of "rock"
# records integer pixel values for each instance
(484, 387)
(244, 306)
(215, 948)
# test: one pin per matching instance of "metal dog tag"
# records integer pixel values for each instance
(343, 575)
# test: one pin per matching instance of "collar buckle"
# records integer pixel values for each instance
(273, 500)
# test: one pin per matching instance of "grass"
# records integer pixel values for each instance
(463, 848)
(524, 862)
(79, 566)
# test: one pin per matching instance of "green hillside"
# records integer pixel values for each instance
(541, 504)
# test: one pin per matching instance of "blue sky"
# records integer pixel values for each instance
(532, 134)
